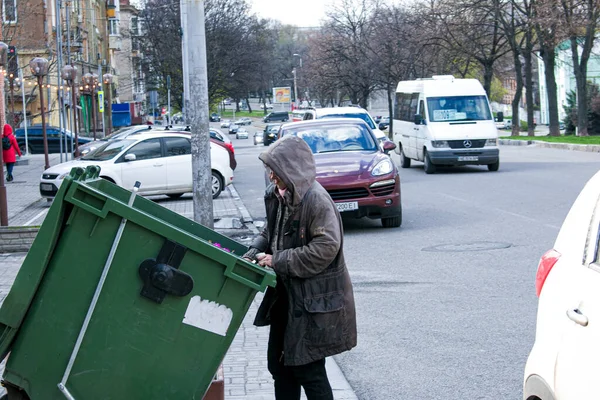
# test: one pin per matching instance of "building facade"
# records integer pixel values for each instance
(89, 43)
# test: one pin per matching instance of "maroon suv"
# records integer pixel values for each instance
(359, 175)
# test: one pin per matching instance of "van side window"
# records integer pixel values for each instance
(414, 101)
(397, 105)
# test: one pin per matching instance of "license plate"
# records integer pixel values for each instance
(468, 158)
(348, 206)
(47, 187)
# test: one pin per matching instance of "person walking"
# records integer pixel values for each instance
(311, 310)
(10, 149)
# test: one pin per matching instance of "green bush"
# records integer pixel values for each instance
(523, 125)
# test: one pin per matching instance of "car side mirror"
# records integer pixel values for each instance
(130, 157)
(388, 146)
(419, 120)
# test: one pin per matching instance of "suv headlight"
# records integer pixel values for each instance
(439, 143)
(382, 168)
(491, 142)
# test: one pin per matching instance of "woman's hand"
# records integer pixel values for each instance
(265, 260)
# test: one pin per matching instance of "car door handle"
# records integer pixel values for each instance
(576, 316)
(157, 165)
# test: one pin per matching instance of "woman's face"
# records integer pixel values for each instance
(275, 179)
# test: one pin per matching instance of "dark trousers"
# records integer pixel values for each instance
(288, 379)
(9, 170)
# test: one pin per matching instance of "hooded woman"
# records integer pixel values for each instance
(311, 311)
(10, 149)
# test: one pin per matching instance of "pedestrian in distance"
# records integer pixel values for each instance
(10, 149)
(311, 310)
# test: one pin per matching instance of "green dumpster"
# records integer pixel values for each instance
(120, 298)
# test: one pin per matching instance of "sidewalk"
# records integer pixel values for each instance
(245, 365)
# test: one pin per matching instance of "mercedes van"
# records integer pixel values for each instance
(444, 121)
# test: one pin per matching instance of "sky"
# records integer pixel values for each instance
(302, 13)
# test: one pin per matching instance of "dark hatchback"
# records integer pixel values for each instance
(270, 133)
(360, 177)
(35, 139)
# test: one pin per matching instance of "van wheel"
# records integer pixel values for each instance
(494, 166)
(404, 161)
(429, 167)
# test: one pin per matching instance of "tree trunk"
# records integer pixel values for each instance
(364, 101)
(390, 100)
(548, 55)
(580, 70)
(488, 75)
(529, 83)
(516, 126)
(248, 104)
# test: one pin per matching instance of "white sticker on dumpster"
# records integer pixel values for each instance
(208, 315)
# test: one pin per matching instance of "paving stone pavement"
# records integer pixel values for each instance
(245, 364)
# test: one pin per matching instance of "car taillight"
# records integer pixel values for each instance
(547, 261)
(230, 147)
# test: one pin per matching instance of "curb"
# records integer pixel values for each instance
(591, 148)
(246, 217)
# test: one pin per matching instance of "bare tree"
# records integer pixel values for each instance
(548, 23)
(581, 20)
(471, 29)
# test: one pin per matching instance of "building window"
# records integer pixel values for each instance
(134, 26)
(113, 27)
(9, 10)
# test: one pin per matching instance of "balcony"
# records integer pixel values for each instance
(114, 42)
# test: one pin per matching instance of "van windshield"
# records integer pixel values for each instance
(458, 108)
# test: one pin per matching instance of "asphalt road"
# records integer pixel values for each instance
(446, 304)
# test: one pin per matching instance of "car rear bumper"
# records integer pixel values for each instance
(482, 156)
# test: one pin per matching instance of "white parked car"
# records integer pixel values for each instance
(161, 162)
(241, 133)
(225, 123)
(565, 358)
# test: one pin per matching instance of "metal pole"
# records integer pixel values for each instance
(3, 197)
(24, 111)
(61, 104)
(186, 66)
(169, 99)
(295, 89)
(12, 101)
(46, 160)
(101, 89)
(195, 37)
(93, 91)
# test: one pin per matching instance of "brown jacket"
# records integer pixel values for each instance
(321, 316)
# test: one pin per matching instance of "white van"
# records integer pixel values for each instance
(444, 121)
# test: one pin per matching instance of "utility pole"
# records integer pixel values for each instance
(295, 89)
(168, 99)
(194, 36)
(185, 61)
(3, 198)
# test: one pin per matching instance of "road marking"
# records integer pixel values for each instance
(30, 222)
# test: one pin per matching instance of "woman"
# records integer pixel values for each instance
(9, 155)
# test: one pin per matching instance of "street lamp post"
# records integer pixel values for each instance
(69, 74)
(39, 68)
(108, 80)
(90, 84)
(295, 76)
(3, 199)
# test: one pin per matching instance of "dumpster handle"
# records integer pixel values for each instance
(230, 273)
(62, 386)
